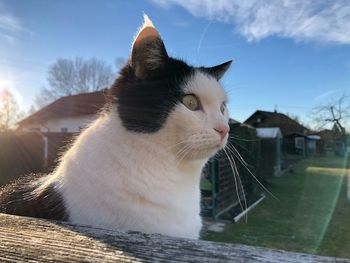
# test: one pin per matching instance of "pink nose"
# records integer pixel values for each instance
(222, 130)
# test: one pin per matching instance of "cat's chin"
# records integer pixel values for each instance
(205, 153)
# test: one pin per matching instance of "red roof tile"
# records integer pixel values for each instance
(69, 106)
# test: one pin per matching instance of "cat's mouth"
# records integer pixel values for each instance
(200, 147)
(206, 151)
(222, 143)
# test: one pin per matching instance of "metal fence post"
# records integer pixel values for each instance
(213, 185)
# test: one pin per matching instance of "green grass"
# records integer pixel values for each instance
(311, 215)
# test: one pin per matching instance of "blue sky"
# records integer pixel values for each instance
(289, 55)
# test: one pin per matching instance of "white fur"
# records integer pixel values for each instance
(116, 179)
(147, 21)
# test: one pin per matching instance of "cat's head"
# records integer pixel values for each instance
(165, 97)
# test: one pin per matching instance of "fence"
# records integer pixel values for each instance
(24, 153)
(57, 143)
(229, 187)
(20, 154)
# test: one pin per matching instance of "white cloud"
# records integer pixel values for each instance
(327, 94)
(180, 23)
(6, 37)
(9, 22)
(302, 20)
(11, 26)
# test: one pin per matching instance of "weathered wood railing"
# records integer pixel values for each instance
(31, 240)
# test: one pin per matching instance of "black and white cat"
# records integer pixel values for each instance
(138, 166)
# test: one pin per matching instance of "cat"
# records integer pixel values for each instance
(138, 166)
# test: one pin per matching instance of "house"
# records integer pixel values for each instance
(57, 122)
(303, 144)
(66, 115)
(292, 130)
(267, 119)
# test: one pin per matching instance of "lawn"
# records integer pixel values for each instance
(311, 214)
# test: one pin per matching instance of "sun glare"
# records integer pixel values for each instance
(6, 87)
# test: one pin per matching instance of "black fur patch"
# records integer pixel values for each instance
(144, 104)
(17, 198)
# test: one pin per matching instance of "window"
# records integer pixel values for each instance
(64, 130)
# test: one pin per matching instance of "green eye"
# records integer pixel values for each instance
(191, 102)
(223, 107)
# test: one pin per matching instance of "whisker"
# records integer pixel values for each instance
(243, 162)
(241, 184)
(241, 139)
(234, 176)
(239, 155)
(238, 144)
(180, 152)
(185, 151)
(176, 144)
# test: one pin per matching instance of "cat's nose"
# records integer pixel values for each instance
(222, 130)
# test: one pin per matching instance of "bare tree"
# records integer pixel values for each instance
(10, 112)
(293, 116)
(69, 77)
(120, 62)
(336, 112)
(297, 118)
(31, 110)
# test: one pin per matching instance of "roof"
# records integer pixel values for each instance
(275, 119)
(307, 136)
(268, 133)
(233, 121)
(69, 106)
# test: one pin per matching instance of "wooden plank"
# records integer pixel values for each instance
(29, 239)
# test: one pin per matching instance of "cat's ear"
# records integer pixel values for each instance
(148, 51)
(219, 70)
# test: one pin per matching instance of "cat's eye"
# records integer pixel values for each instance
(223, 107)
(191, 102)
